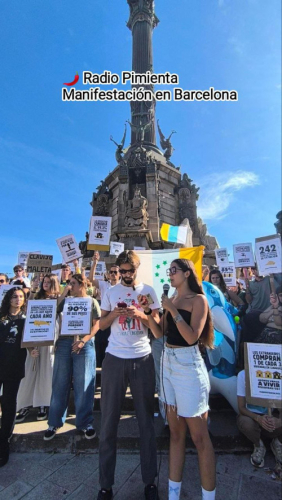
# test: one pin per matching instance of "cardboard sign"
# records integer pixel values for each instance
(38, 263)
(99, 232)
(77, 315)
(228, 272)
(23, 257)
(221, 255)
(263, 365)
(100, 271)
(116, 248)
(268, 255)
(4, 289)
(243, 255)
(68, 248)
(40, 323)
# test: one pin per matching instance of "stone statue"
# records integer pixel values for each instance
(278, 223)
(140, 129)
(120, 150)
(136, 214)
(165, 143)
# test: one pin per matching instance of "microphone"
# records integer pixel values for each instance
(166, 288)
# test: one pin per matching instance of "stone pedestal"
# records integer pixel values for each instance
(135, 238)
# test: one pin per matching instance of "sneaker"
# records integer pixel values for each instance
(50, 433)
(276, 448)
(89, 432)
(105, 494)
(42, 413)
(257, 457)
(151, 492)
(21, 415)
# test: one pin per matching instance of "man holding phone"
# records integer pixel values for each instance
(128, 360)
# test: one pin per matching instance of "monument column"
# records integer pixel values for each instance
(141, 22)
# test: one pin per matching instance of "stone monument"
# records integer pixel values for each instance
(145, 188)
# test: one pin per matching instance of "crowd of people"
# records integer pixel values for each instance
(141, 343)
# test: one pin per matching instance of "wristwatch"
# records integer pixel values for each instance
(177, 318)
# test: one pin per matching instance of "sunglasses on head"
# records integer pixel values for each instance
(125, 271)
(113, 272)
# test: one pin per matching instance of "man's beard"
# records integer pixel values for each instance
(128, 281)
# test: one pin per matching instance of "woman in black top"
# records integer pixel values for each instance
(184, 379)
(12, 362)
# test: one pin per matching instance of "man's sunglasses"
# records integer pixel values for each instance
(125, 271)
(113, 272)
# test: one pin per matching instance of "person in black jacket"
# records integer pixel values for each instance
(12, 362)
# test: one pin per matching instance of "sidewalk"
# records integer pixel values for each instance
(43, 476)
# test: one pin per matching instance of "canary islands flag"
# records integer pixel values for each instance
(174, 234)
(154, 264)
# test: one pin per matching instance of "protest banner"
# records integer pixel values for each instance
(40, 323)
(100, 271)
(221, 255)
(263, 369)
(68, 248)
(243, 255)
(228, 272)
(268, 254)
(38, 263)
(77, 315)
(99, 233)
(22, 258)
(4, 289)
(116, 248)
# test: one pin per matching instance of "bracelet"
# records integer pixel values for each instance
(82, 342)
(177, 318)
(148, 313)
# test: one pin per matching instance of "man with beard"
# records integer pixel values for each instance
(128, 360)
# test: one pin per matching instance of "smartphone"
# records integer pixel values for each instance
(122, 305)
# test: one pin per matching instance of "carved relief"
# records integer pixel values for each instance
(136, 214)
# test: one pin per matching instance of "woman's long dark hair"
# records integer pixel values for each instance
(6, 302)
(207, 335)
(222, 285)
(54, 290)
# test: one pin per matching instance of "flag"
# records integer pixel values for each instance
(154, 264)
(174, 234)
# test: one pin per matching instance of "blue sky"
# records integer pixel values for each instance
(54, 154)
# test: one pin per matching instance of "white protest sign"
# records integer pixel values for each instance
(116, 248)
(38, 263)
(4, 289)
(77, 315)
(243, 255)
(100, 230)
(268, 255)
(40, 323)
(68, 248)
(23, 257)
(228, 272)
(100, 271)
(221, 255)
(264, 374)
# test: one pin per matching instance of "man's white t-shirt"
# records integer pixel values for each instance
(129, 337)
(103, 287)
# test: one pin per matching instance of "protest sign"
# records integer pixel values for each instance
(221, 255)
(86, 262)
(40, 323)
(99, 233)
(38, 263)
(22, 258)
(100, 271)
(263, 374)
(68, 248)
(243, 255)
(4, 289)
(268, 254)
(116, 248)
(77, 315)
(58, 273)
(228, 272)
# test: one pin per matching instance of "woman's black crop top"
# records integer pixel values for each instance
(173, 335)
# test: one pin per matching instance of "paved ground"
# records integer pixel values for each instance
(43, 476)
